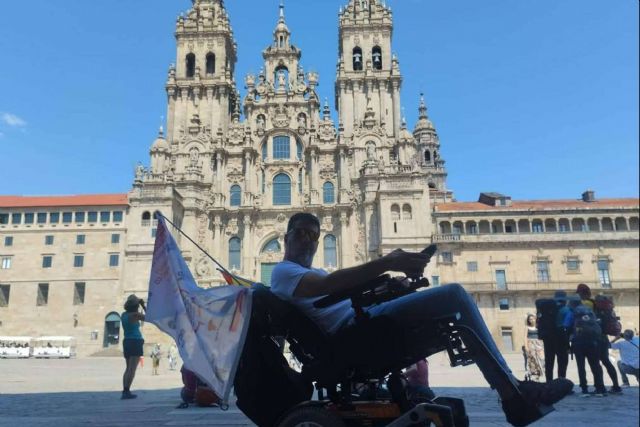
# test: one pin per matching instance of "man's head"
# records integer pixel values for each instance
(301, 240)
(628, 334)
(560, 297)
(584, 291)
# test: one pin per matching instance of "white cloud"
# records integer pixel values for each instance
(13, 120)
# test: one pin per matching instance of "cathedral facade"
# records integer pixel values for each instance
(231, 171)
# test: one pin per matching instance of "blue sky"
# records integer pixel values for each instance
(535, 99)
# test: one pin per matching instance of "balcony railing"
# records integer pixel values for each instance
(616, 285)
(537, 237)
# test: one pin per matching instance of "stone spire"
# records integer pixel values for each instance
(424, 124)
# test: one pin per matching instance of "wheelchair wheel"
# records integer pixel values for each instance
(312, 417)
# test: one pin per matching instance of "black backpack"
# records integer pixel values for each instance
(546, 315)
(586, 326)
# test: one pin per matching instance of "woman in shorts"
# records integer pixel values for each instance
(133, 341)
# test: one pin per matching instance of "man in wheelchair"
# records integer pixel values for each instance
(385, 337)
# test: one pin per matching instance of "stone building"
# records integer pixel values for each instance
(231, 171)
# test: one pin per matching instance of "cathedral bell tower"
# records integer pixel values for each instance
(201, 89)
(368, 77)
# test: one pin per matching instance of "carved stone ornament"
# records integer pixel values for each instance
(236, 134)
(280, 116)
(327, 224)
(203, 221)
(327, 172)
(235, 175)
(326, 132)
(203, 267)
(232, 227)
(281, 223)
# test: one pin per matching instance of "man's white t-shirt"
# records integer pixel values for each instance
(628, 351)
(285, 279)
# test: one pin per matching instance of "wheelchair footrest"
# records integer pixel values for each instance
(458, 353)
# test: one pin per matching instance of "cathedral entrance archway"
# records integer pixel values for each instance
(111, 330)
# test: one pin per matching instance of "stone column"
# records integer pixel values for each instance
(171, 111)
(396, 109)
(248, 188)
(247, 245)
(315, 176)
(345, 241)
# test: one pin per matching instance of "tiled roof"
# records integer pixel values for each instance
(538, 205)
(63, 201)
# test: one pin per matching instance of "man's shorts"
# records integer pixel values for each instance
(132, 347)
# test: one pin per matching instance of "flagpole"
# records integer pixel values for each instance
(191, 240)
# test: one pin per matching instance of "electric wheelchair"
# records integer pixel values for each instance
(369, 353)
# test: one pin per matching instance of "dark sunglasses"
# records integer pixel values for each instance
(305, 232)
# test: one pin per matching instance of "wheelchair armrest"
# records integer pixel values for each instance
(381, 289)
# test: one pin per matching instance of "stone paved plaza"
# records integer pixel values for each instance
(85, 392)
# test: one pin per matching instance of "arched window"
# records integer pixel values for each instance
(235, 253)
(146, 219)
(281, 147)
(427, 156)
(357, 59)
(328, 193)
(407, 212)
(236, 195)
(330, 254)
(299, 150)
(264, 151)
(211, 63)
(376, 54)
(191, 65)
(272, 246)
(395, 212)
(432, 186)
(281, 190)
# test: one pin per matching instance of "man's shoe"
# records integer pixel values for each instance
(126, 394)
(535, 400)
(585, 393)
(615, 390)
(626, 385)
(600, 394)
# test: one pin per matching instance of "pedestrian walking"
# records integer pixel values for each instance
(584, 291)
(553, 324)
(534, 350)
(585, 344)
(172, 355)
(156, 354)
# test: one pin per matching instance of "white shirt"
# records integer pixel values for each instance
(628, 351)
(285, 279)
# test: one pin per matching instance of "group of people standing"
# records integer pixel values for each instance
(578, 328)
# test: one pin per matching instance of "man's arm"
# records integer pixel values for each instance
(314, 285)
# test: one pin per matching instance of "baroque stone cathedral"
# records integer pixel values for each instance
(230, 172)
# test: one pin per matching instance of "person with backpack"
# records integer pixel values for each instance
(585, 344)
(629, 356)
(603, 309)
(552, 317)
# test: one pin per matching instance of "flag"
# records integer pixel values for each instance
(235, 280)
(208, 325)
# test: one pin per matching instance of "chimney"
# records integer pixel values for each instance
(589, 196)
